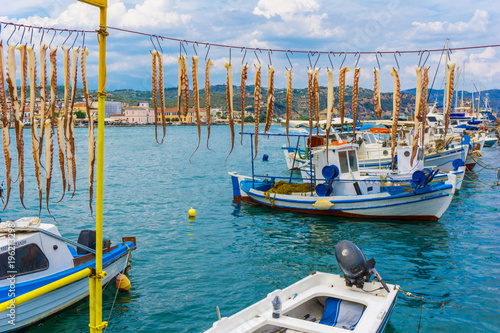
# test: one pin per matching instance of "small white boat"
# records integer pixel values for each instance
(322, 302)
(35, 257)
(345, 190)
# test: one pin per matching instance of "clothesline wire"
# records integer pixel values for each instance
(254, 48)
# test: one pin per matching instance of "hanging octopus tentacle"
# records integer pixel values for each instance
(396, 107)
(289, 96)
(355, 92)
(270, 97)
(257, 100)
(229, 98)
(5, 129)
(207, 98)
(196, 101)
(244, 76)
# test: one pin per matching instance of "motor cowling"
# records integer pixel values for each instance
(353, 264)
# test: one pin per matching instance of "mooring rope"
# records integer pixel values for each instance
(443, 303)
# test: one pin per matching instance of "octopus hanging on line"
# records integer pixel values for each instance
(154, 86)
(196, 101)
(342, 74)
(18, 123)
(396, 107)
(34, 123)
(229, 97)
(90, 116)
(449, 95)
(289, 96)
(376, 92)
(310, 94)
(257, 99)
(74, 72)
(270, 98)
(49, 123)
(416, 125)
(329, 107)
(5, 128)
(207, 98)
(161, 88)
(316, 98)
(43, 95)
(355, 93)
(244, 76)
(423, 103)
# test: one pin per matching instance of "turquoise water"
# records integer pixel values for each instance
(233, 255)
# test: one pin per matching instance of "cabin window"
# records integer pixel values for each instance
(27, 259)
(344, 167)
(353, 163)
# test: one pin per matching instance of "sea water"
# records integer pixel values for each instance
(232, 255)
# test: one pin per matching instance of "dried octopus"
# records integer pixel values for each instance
(90, 116)
(74, 72)
(5, 128)
(43, 94)
(355, 93)
(270, 98)
(423, 103)
(316, 98)
(154, 86)
(196, 101)
(257, 100)
(34, 123)
(396, 107)
(18, 123)
(161, 88)
(343, 71)
(416, 126)
(183, 89)
(449, 95)
(329, 106)
(289, 95)
(207, 98)
(49, 146)
(376, 92)
(310, 94)
(244, 76)
(229, 97)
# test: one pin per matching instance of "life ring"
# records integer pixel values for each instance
(483, 128)
(380, 130)
(339, 143)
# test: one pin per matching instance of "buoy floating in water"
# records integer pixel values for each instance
(265, 157)
(192, 212)
(122, 283)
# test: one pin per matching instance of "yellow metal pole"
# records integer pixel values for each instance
(45, 289)
(95, 285)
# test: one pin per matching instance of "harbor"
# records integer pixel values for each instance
(232, 255)
(340, 208)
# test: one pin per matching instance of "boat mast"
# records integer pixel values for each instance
(463, 82)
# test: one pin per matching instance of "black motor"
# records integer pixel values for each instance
(353, 264)
(87, 238)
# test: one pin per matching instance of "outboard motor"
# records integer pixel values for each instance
(353, 264)
(87, 238)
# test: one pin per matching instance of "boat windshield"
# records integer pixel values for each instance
(353, 163)
(27, 259)
(344, 166)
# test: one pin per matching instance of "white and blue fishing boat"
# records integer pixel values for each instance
(322, 302)
(343, 190)
(42, 273)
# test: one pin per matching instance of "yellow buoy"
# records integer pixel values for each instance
(122, 283)
(323, 205)
(192, 212)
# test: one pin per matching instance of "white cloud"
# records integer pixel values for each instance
(285, 8)
(478, 23)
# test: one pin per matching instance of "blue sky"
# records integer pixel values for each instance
(315, 25)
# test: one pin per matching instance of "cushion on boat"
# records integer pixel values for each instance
(341, 313)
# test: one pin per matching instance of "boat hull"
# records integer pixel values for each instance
(424, 204)
(300, 305)
(39, 308)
